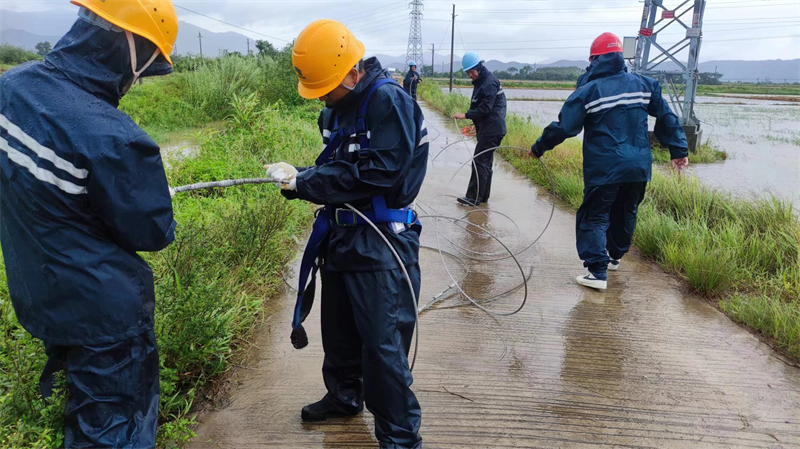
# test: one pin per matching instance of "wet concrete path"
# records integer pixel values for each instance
(644, 364)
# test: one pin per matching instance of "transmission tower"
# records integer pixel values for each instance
(414, 52)
(680, 83)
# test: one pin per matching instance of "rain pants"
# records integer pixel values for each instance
(82, 189)
(368, 311)
(612, 108)
(488, 112)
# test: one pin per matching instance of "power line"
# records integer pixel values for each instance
(593, 11)
(573, 24)
(368, 12)
(589, 38)
(381, 26)
(371, 18)
(705, 41)
(230, 24)
(463, 47)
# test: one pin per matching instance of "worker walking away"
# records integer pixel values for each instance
(612, 107)
(375, 156)
(488, 112)
(82, 189)
(412, 80)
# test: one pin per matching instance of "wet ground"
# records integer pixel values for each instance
(178, 145)
(761, 137)
(644, 364)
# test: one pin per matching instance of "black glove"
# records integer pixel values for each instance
(536, 150)
(299, 337)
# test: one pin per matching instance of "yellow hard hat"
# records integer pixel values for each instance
(323, 55)
(154, 20)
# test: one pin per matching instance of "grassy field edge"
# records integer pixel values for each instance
(743, 255)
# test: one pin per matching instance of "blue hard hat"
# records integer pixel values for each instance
(412, 63)
(470, 60)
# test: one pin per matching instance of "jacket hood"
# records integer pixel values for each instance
(606, 65)
(99, 61)
(483, 72)
(373, 71)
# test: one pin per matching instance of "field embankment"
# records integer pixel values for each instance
(743, 254)
(724, 88)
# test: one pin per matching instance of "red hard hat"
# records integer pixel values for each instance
(606, 43)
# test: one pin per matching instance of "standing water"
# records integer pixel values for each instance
(761, 137)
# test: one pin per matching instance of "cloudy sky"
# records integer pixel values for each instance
(520, 30)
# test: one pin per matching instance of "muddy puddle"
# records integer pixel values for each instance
(761, 137)
(642, 365)
(183, 144)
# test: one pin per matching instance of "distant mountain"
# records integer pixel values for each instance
(566, 63)
(54, 22)
(751, 71)
(25, 39)
(51, 25)
(213, 43)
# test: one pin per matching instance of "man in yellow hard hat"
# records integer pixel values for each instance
(82, 189)
(375, 159)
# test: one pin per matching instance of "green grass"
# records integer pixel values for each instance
(213, 282)
(743, 253)
(11, 55)
(725, 88)
(161, 106)
(750, 88)
(512, 84)
(706, 153)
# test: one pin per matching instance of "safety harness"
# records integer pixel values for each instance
(330, 216)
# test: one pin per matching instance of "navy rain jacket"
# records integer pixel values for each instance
(395, 167)
(82, 189)
(411, 82)
(612, 107)
(488, 108)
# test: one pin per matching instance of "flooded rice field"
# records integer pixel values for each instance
(761, 137)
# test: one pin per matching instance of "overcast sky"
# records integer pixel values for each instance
(520, 30)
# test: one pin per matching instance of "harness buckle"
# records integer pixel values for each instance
(347, 223)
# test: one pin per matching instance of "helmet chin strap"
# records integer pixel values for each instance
(137, 74)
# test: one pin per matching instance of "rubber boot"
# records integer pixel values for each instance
(327, 408)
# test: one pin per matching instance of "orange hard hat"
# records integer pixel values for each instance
(154, 20)
(606, 43)
(323, 55)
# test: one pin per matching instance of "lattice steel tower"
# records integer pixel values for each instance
(414, 52)
(679, 83)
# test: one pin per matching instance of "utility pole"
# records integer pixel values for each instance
(452, 46)
(433, 53)
(248, 46)
(200, 38)
(681, 84)
(415, 49)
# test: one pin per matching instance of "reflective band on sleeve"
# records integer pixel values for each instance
(41, 151)
(40, 173)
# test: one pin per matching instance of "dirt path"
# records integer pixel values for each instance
(642, 365)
